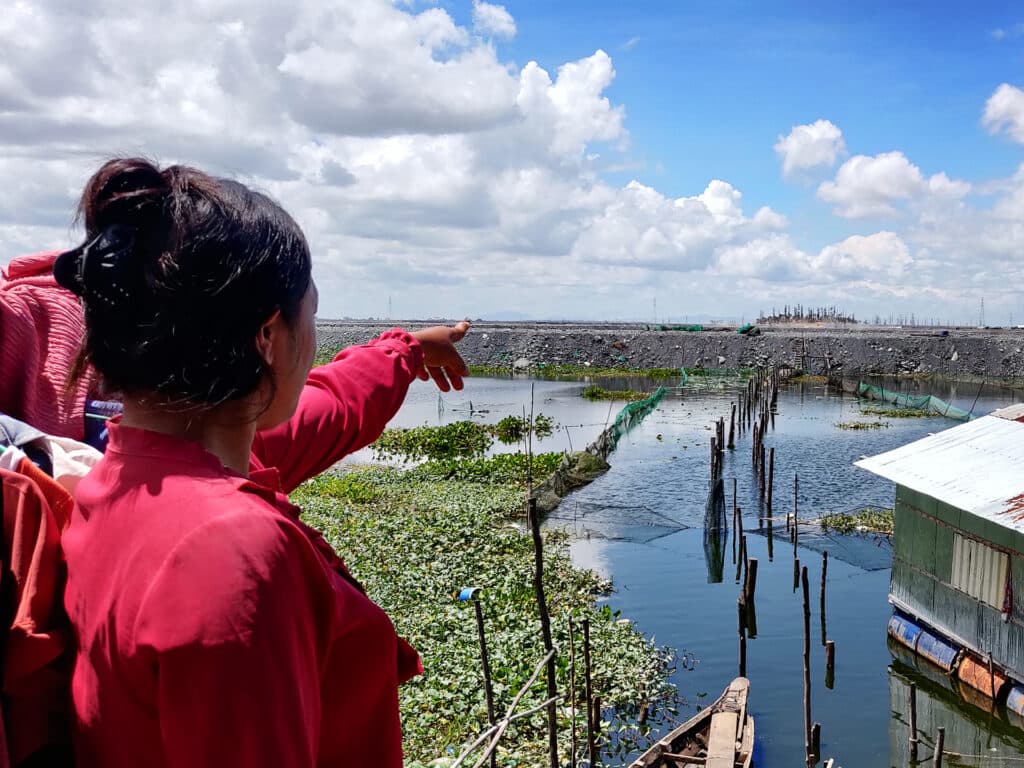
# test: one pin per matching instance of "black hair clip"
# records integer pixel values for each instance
(95, 270)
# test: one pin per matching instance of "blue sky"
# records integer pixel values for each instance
(547, 160)
(709, 87)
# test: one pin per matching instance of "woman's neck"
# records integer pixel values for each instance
(223, 431)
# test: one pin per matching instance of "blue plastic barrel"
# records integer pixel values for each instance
(937, 650)
(1015, 701)
(904, 631)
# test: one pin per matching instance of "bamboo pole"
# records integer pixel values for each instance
(771, 478)
(750, 584)
(732, 427)
(830, 664)
(940, 741)
(821, 605)
(488, 690)
(572, 691)
(591, 747)
(796, 487)
(807, 663)
(545, 626)
(741, 625)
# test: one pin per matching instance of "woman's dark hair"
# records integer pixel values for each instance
(177, 273)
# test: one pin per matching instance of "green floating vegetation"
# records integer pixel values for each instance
(861, 425)
(863, 521)
(595, 392)
(897, 413)
(415, 541)
(808, 378)
(460, 439)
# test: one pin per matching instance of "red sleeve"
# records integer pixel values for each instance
(41, 330)
(344, 406)
(231, 622)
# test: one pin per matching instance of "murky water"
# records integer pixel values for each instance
(641, 524)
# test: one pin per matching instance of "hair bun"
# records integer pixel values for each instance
(130, 192)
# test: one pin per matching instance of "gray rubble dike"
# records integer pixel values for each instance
(956, 352)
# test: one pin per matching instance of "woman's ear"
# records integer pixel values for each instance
(267, 337)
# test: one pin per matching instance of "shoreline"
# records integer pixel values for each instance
(994, 355)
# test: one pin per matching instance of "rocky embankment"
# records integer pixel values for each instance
(954, 352)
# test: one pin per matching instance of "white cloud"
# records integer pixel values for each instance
(874, 186)
(426, 168)
(1004, 112)
(493, 20)
(818, 144)
(882, 253)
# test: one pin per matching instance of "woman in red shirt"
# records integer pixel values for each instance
(213, 626)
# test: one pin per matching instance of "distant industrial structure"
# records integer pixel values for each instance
(801, 314)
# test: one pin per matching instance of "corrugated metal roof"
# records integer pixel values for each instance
(976, 467)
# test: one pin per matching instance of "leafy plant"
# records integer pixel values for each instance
(512, 429)
(595, 392)
(865, 520)
(418, 542)
(459, 439)
(897, 413)
(500, 468)
(855, 425)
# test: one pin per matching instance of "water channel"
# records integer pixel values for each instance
(641, 525)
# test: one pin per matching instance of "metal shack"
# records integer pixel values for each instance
(958, 550)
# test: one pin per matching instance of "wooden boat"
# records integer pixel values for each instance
(720, 736)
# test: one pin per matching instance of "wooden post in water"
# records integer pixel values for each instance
(830, 664)
(714, 459)
(815, 740)
(796, 574)
(591, 746)
(735, 515)
(545, 626)
(732, 428)
(741, 625)
(940, 742)
(750, 586)
(762, 472)
(913, 723)
(807, 664)
(821, 603)
(595, 716)
(796, 487)
(771, 479)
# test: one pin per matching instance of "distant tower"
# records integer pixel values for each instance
(981, 316)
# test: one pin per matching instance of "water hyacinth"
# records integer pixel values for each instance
(414, 538)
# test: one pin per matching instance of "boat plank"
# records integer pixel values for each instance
(722, 741)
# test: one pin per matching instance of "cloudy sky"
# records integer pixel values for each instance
(579, 159)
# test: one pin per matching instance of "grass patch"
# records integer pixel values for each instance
(863, 521)
(897, 413)
(595, 392)
(458, 440)
(415, 540)
(854, 425)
